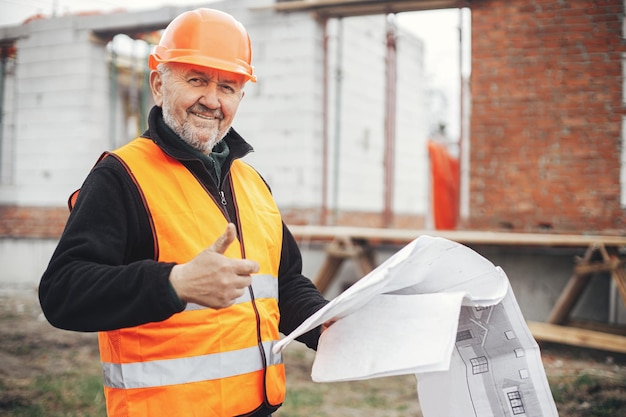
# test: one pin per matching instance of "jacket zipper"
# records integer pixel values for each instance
(257, 315)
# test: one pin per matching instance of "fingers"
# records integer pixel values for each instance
(223, 242)
(228, 297)
(212, 279)
(247, 267)
(328, 323)
(240, 267)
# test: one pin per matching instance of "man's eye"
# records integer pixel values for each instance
(195, 81)
(226, 89)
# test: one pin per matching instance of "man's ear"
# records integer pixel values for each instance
(156, 84)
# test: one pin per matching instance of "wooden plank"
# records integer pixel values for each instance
(342, 249)
(362, 7)
(577, 337)
(363, 238)
(595, 267)
(403, 236)
(568, 298)
(619, 276)
(573, 289)
(597, 326)
(366, 262)
(327, 272)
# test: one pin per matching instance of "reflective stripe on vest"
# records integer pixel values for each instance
(186, 370)
(200, 359)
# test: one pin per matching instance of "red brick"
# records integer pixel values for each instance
(32, 222)
(546, 115)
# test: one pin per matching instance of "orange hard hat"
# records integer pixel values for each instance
(208, 38)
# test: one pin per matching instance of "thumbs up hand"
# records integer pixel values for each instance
(211, 279)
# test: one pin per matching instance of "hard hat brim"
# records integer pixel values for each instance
(241, 68)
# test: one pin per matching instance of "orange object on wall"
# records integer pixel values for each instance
(444, 174)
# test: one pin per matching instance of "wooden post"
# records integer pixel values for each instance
(578, 281)
(337, 251)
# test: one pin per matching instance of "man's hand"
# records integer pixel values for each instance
(211, 279)
(327, 324)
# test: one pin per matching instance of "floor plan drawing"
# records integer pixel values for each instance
(495, 369)
(440, 311)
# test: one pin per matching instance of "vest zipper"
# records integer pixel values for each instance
(255, 308)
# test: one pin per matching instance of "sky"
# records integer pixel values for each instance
(439, 29)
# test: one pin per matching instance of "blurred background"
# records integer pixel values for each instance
(498, 122)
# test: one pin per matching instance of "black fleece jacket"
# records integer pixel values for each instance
(103, 274)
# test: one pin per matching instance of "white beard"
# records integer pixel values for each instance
(201, 139)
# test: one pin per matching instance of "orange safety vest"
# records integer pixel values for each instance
(202, 361)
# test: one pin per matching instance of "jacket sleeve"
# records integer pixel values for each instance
(102, 275)
(298, 298)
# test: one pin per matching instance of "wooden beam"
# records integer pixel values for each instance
(577, 337)
(569, 295)
(619, 276)
(346, 8)
(619, 329)
(568, 298)
(595, 267)
(355, 243)
(344, 249)
(404, 236)
(327, 272)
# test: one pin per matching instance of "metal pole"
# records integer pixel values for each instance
(390, 119)
(338, 77)
(325, 147)
(145, 93)
(112, 95)
(3, 73)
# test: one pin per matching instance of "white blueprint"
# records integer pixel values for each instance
(438, 310)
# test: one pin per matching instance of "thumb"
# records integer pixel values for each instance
(223, 242)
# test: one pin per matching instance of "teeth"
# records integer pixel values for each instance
(204, 116)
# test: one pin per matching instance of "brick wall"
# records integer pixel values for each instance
(546, 117)
(32, 222)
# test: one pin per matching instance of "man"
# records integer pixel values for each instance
(175, 251)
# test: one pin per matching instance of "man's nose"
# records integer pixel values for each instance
(210, 96)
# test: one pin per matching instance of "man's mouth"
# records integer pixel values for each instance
(206, 115)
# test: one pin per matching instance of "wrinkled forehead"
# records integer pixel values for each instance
(206, 72)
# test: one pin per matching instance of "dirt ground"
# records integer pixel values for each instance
(34, 357)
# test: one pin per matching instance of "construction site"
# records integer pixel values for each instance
(347, 132)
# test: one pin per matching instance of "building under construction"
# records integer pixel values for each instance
(339, 120)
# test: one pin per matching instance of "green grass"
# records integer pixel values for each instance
(588, 395)
(67, 395)
(76, 390)
(304, 398)
(302, 402)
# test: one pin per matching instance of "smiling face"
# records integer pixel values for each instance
(199, 103)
